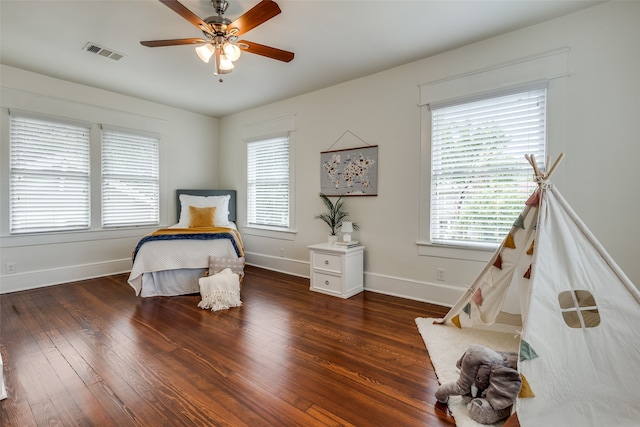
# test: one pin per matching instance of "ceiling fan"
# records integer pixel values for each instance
(221, 36)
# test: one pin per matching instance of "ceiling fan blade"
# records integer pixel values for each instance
(269, 52)
(181, 10)
(172, 42)
(255, 16)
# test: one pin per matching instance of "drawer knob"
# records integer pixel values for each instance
(326, 282)
(326, 262)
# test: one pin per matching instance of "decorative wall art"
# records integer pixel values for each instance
(350, 172)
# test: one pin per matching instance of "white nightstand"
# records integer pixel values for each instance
(337, 271)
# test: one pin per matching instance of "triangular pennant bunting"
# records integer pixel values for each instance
(467, 309)
(534, 199)
(456, 321)
(530, 250)
(525, 390)
(527, 274)
(509, 242)
(519, 222)
(498, 262)
(477, 297)
(526, 351)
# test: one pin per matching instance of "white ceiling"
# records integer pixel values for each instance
(333, 41)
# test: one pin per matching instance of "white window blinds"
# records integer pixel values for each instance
(268, 182)
(49, 183)
(130, 179)
(479, 177)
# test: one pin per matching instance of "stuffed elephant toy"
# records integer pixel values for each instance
(489, 383)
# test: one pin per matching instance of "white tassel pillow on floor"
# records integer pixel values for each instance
(220, 291)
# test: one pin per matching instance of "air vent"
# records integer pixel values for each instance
(107, 53)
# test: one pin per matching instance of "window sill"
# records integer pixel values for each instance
(455, 252)
(274, 233)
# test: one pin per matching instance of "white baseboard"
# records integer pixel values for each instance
(445, 295)
(55, 276)
(280, 264)
(434, 293)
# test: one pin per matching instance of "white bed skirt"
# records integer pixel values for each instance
(171, 282)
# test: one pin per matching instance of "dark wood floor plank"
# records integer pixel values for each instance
(15, 410)
(93, 413)
(112, 405)
(327, 418)
(81, 368)
(16, 327)
(91, 353)
(126, 381)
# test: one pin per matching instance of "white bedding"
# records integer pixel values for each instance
(163, 255)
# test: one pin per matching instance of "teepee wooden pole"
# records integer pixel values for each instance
(555, 165)
(545, 176)
(532, 161)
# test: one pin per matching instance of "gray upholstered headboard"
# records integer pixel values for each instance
(232, 200)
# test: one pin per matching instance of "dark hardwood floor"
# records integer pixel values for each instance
(91, 353)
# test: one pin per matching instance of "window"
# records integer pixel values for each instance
(579, 309)
(130, 179)
(268, 183)
(49, 183)
(52, 177)
(479, 177)
(438, 234)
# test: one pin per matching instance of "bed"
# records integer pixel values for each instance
(170, 261)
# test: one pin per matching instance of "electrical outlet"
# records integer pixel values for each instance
(440, 274)
(10, 267)
(281, 252)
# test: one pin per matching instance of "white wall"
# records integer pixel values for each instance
(597, 128)
(596, 125)
(189, 148)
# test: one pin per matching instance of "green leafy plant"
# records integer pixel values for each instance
(335, 214)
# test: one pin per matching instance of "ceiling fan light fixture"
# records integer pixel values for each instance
(221, 35)
(222, 64)
(225, 63)
(232, 51)
(205, 52)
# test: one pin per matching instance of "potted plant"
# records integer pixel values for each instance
(334, 216)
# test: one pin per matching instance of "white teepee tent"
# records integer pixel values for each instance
(577, 314)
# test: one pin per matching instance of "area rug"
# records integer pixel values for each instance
(446, 344)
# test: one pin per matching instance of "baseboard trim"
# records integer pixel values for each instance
(55, 276)
(434, 293)
(280, 264)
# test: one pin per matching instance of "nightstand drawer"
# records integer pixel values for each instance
(327, 262)
(327, 282)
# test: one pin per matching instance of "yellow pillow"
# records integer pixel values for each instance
(201, 217)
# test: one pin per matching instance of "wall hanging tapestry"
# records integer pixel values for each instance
(349, 172)
(352, 172)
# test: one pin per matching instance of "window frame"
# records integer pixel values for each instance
(519, 169)
(281, 126)
(18, 101)
(155, 182)
(551, 67)
(272, 230)
(85, 177)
